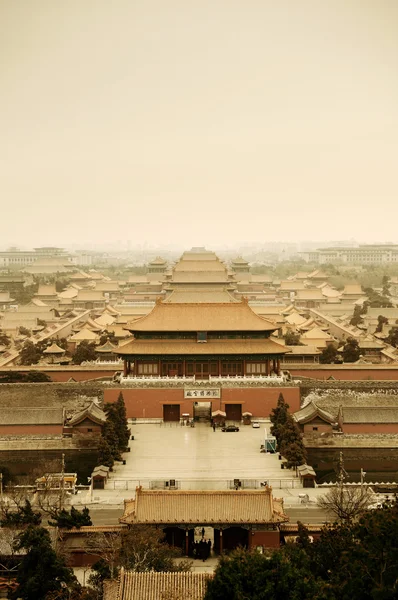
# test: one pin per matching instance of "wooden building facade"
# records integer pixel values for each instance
(201, 341)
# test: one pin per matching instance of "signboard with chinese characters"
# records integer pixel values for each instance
(205, 394)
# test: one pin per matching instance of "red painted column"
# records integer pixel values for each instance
(251, 534)
(186, 541)
(125, 367)
(220, 541)
(267, 367)
(278, 366)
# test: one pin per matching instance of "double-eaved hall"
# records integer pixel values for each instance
(200, 350)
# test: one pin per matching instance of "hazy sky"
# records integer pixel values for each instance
(198, 121)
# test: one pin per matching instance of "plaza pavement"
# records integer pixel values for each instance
(197, 458)
(186, 454)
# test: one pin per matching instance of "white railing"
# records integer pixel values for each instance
(98, 361)
(249, 380)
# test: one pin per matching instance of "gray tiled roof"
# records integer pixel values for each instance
(370, 414)
(32, 416)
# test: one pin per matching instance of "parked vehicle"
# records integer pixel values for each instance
(255, 425)
(230, 428)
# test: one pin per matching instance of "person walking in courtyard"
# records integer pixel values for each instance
(214, 426)
(203, 532)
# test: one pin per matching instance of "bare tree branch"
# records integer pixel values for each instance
(345, 502)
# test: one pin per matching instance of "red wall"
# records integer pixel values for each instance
(268, 539)
(148, 403)
(309, 428)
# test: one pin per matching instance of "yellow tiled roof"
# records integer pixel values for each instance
(229, 316)
(84, 335)
(212, 347)
(155, 586)
(203, 507)
(200, 296)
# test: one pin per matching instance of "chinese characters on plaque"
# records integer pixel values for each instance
(207, 393)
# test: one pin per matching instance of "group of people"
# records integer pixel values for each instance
(200, 550)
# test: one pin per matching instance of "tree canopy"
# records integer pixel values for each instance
(23, 516)
(115, 433)
(288, 435)
(74, 518)
(30, 353)
(41, 571)
(351, 561)
(351, 352)
(328, 355)
(85, 351)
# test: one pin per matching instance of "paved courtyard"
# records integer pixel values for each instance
(198, 458)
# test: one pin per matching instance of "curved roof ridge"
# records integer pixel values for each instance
(206, 316)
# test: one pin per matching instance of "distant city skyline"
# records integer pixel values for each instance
(248, 246)
(198, 123)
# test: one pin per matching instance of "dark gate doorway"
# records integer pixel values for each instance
(234, 412)
(202, 411)
(234, 537)
(171, 412)
(175, 537)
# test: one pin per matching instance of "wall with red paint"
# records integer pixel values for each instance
(148, 403)
(267, 539)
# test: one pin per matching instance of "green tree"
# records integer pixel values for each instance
(393, 337)
(40, 571)
(26, 294)
(109, 433)
(37, 377)
(359, 561)
(351, 352)
(12, 377)
(376, 300)
(328, 355)
(100, 571)
(25, 331)
(386, 286)
(295, 454)
(108, 336)
(291, 444)
(357, 316)
(105, 454)
(30, 354)
(5, 340)
(85, 351)
(23, 516)
(278, 417)
(292, 339)
(116, 413)
(249, 575)
(381, 320)
(75, 518)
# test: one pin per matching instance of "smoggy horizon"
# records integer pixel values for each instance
(198, 123)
